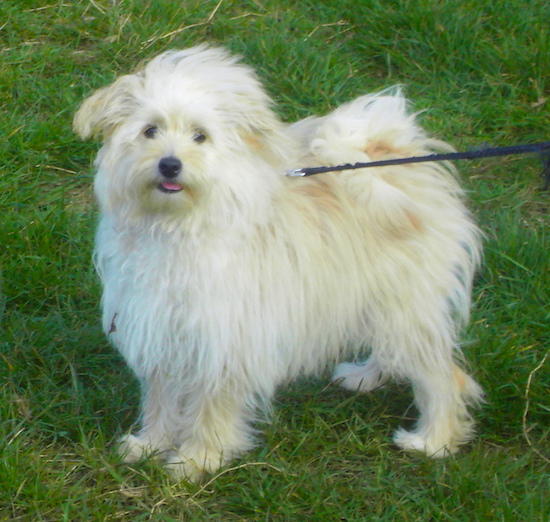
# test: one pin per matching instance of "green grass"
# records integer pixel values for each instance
(480, 71)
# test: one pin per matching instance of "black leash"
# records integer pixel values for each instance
(490, 152)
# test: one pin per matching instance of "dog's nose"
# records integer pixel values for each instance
(170, 167)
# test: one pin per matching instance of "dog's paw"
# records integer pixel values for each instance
(359, 377)
(193, 465)
(132, 448)
(180, 469)
(415, 442)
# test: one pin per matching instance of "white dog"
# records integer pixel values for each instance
(223, 277)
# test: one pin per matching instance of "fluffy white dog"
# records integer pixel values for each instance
(223, 277)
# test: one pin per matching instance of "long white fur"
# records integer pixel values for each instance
(217, 294)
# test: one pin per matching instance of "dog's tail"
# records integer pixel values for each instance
(370, 128)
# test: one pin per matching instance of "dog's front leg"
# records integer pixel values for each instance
(160, 420)
(215, 428)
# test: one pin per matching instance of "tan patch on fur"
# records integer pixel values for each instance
(460, 377)
(415, 221)
(321, 194)
(254, 142)
(191, 192)
(379, 149)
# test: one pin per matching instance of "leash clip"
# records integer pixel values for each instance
(295, 173)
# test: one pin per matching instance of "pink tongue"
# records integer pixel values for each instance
(171, 186)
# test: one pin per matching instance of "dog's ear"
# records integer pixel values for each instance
(269, 143)
(263, 132)
(106, 108)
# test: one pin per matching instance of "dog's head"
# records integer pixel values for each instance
(190, 127)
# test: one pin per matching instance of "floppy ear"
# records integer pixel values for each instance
(263, 131)
(106, 108)
(269, 143)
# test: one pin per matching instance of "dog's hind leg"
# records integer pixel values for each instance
(360, 377)
(414, 339)
(442, 397)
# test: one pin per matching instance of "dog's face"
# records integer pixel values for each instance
(186, 126)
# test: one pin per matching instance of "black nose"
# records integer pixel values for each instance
(170, 167)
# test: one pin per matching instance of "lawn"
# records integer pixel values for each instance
(479, 73)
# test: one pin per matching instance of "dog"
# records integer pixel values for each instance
(224, 278)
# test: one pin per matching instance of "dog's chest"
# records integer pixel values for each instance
(168, 275)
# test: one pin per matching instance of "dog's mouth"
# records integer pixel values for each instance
(168, 187)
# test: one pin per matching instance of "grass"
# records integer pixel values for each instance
(479, 70)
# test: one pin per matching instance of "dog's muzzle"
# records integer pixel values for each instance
(170, 168)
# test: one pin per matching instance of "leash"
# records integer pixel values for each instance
(488, 152)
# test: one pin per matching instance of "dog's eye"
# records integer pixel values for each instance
(150, 132)
(199, 137)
